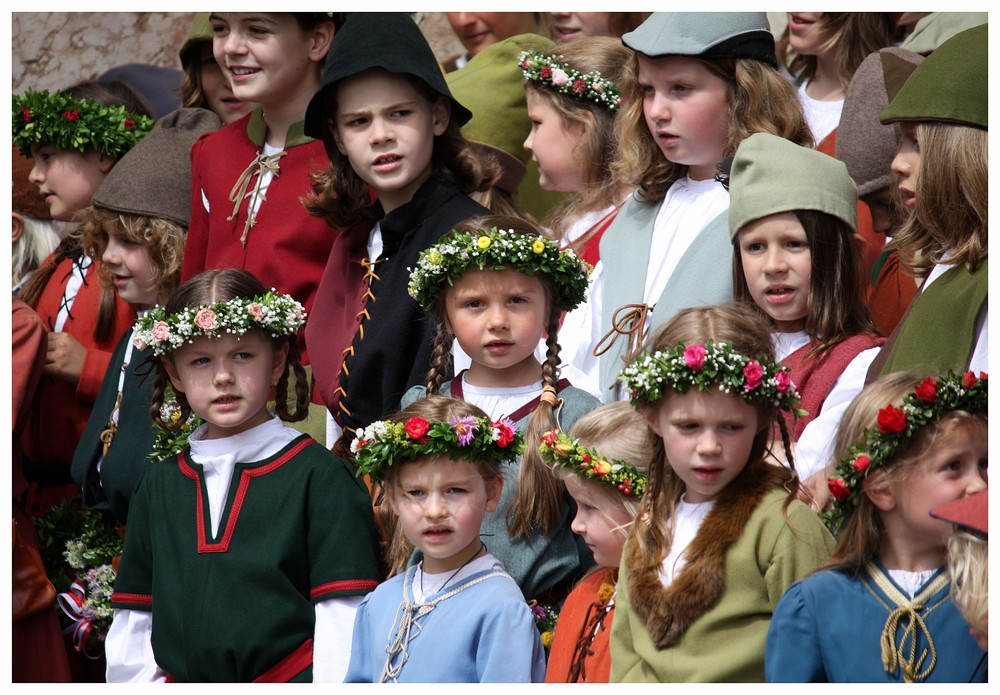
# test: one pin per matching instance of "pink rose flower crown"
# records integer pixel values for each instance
(383, 443)
(275, 313)
(707, 366)
(561, 77)
(896, 427)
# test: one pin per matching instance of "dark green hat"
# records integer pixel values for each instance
(771, 175)
(705, 35)
(951, 85)
(388, 40)
(201, 32)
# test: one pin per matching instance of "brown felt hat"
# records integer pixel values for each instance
(154, 178)
(25, 197)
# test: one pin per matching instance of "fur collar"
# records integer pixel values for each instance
(668, 612)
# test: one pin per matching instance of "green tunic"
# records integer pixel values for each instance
(297, 529)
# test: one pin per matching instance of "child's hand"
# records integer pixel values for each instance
(64, 357)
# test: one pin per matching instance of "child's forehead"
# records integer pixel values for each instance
(435, 467)
(496, 280)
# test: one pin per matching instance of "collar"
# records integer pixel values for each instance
(257, 131)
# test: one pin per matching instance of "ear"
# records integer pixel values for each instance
(105, 163)
(319, 42)
(493, 490)
(280, 358)
(879, 492)
(171, 369)
(17, 225)
(441, 115)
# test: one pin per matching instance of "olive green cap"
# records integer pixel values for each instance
(201, 32)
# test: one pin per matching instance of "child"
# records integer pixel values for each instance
(456, 616)
(968, 560)
(566, 26)
(75, 138)
(880, 609)
(34, 233)
(272, 588)
(205, 85)
(572, 102)
(942, 172)
(700, 83)
(792, 218)
(421, 170)
(606, 487)
(249, 178)
(136, 227)
(723, 535)
(498, 286)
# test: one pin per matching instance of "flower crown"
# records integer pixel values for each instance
(497, 249)
(589, 86)
(557, 447)
(276, 314)
(701, 365)
(385, 443)
(931, 400)
(66, 123)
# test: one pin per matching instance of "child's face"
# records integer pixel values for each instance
(906, 163)
(440, 503)
(67, 179)
(227, 380)
(686, 110)
(554, 143)
(386, 129)
(777, 264)
(477, 30)
(808, 33)
(572, 25)
(131, 269)
(954, 467)
(498, 317)
(600, 521)
(707, 438)
(218, 94)
(267, 57)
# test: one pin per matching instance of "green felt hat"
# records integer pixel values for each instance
(951, 85)
(933, 30)
(201, 32)
(771, 175)
(391, 41)
(705, 35)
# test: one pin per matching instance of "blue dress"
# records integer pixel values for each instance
(829, 628)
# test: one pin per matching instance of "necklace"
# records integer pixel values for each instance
(482, 548)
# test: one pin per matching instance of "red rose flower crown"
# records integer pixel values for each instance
(897, 426)
(384, 443)
(557, 448)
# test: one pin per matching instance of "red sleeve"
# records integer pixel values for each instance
(196, 245)
(27, 357)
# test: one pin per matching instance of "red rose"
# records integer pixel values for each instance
(838, 489)
(579, 87)
(891, 419)
(545, 73)
(71, 115)
(754, 375)
(416, 427)
(26, 115)
(927, 390)
(861, 463)
(506, 434)
(970, 380)
(128, 123)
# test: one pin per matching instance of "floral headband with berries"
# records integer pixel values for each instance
(383, 443)
(558, 448)
(276, 314)
(931, 400)
(497, 249)
(703, 365)
(589, 86)
(66, 123)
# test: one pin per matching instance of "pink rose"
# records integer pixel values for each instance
(256, 311)
(694, 356)
(754, 374)
(784, 380)
(559, 77)
(205, 320)
(161, 331)
(139, 343)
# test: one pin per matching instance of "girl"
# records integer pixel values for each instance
(222, 340)
(699, 83)
(792, 217)
(75, 138)
(479, 30)
(456, 616)
(606, 487)
(942, 171)
(249, 179)
(399, 176)
(497, 286)
(205, 85)
(572, 102)
(880, 609)
(566, 26)
(722, 535)
(34, 233)
(136, 227)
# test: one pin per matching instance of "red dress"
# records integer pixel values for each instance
(580, 651)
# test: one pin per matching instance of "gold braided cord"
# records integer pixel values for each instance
(242, 190)
(908, 615)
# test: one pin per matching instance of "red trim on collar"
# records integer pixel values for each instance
(343, 585)
(523, 411)
(246, 475)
